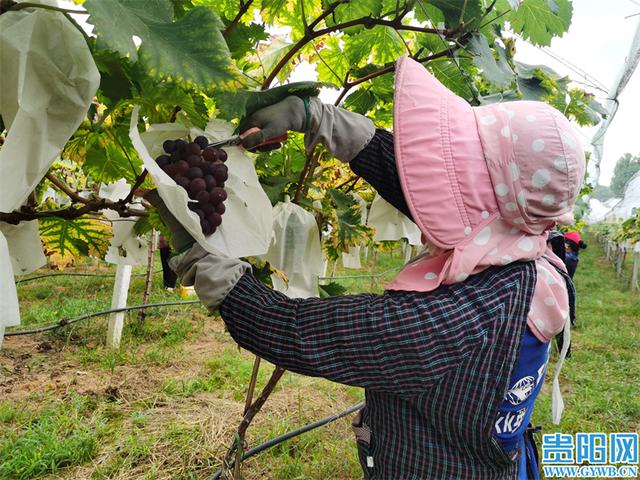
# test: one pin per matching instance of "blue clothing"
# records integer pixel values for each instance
(514, 413)
(571, 261)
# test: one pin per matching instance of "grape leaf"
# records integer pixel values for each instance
(243, 39)
(190, 49)
(383, 43)
(110, 157)
(498, 72)
(537, 22)
(455, 12)
(452, 76)
(114, 81)
(360, 101)
(356, 9)
(333, 64)
(76, 237)
(348, 219)
(424, 11)
(272, 8)
(332, 289)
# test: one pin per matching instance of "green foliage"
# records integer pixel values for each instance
(626, 167)
(331, 289)
(189, 49)
(110, 156)
(498, 72)
(602, 193)
(538, 21)
(36, 442)
(349, 229)
(468, 12)
(197, 58)
(79, 237)
(628, 230)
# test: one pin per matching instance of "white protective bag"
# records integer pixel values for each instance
(246, 224)
(391, 224)
(125, 247)
(9, 311)
(295, 250)
(47, 83)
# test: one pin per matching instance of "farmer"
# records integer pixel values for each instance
(453, 354)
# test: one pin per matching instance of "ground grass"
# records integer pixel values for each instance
(166, 404)
(601, 380)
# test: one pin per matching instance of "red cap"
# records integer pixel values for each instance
(573, 236)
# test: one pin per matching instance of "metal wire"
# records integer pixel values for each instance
(294, 433)
(73, 274)
(64, 322)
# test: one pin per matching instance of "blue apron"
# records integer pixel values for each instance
(515, 410)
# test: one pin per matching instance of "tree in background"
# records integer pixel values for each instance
(626, 167)
(602, 193)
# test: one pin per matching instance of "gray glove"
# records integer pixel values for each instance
(341, 132)
(213, 276)
(181, 240)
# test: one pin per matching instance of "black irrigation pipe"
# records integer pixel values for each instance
(72, 274)
(294, 433)
(69, 321)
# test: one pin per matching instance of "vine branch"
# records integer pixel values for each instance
(238, 440)
(60, 185)
(368, 22)
(244, 6)
(20, 6)
(72, 212)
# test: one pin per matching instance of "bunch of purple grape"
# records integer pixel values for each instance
(200, 170)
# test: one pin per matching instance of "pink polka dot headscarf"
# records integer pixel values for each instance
(484, 185)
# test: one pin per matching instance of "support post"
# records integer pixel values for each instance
(636, 265)
(119, 300)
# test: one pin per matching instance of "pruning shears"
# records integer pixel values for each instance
(270, 144)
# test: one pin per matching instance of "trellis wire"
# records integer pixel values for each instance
(64, 322)
(74, 274)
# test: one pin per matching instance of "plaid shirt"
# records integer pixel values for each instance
(435, 366)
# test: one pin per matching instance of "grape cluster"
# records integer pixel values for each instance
(200, 170)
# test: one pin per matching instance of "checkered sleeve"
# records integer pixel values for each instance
(376, 163)
(397, 342)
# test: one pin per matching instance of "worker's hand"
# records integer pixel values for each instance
(181, 240)
(213, 276)
(275, 121)
(342, 132)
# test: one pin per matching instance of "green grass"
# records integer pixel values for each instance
(601, 379)
(44, 441)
